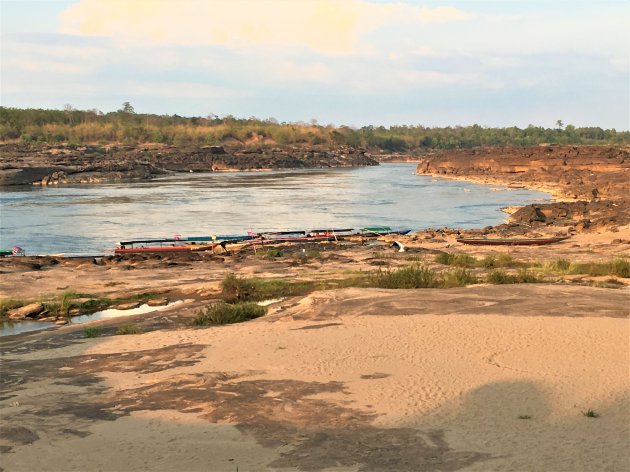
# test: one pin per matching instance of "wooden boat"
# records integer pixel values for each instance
(381, 231)
(188, 239)
(16, 251)
(232, 237)
(511, 241)
(206, 243)
(332, 232)
(148, 249)
(291, 239)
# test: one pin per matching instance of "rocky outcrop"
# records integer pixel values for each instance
(577, 172)
(594, 179)
(53, 165)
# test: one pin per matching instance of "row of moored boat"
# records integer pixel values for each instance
(208, 243)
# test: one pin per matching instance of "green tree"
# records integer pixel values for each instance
(127, 108)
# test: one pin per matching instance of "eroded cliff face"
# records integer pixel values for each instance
(594, 181)
(49, 165)
(575, 172)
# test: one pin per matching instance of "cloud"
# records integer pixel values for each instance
(325, 26)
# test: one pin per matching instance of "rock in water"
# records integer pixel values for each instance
(158, 302)
(27, 311)
(129, 305)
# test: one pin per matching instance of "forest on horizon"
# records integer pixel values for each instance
(125, 126)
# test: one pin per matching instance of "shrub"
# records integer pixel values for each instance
(128, 329)
(458, 278)
(488, 262)
(413, 276)
(92, 332)
(528, 277)
(559, 265)
(461, 260)
(499, 276)
(621, 268)
(224, 313)
(7, 304)
(241, 289)
(271, 253)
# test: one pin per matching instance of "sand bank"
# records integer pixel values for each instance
(358, 379)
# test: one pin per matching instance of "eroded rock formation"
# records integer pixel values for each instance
(593, 181)
(50, 165)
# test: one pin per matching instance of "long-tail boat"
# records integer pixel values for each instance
(511, 241)
(205, 243)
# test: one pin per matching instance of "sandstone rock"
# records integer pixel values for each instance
(61, 322)
(158, 302)
(129, 305)
(27, 311)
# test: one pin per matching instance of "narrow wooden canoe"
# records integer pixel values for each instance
(141, 250)
(511, 241)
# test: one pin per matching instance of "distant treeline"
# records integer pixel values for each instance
(125, 126)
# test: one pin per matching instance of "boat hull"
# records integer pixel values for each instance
(510, 242)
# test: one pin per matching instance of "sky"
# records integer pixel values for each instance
(495, 63)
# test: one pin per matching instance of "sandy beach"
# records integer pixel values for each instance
(345, 380)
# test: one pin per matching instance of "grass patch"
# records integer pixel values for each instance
(91, 332)
(456, 259)
(413, 276)
(618, 267)
(524, 417)
(502, 260)
(240, 289)
(128, 329)
(95, 304)
(417, 276)
(224, 313)
(590, 413)
(559, 265)
(60, 306)
(414, 258)
(145, 296)
(621, 268)
(271, 253)
(499, 276)
(458, 278)
(7, 304)
(487, 262)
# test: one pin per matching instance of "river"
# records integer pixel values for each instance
(92, 218)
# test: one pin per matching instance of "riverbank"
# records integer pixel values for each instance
(590, 184)
(518, 366)
(66, 164)
(301, 387)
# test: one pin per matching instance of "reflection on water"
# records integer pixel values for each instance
(9, 328)
(93, 218)
(114, 313)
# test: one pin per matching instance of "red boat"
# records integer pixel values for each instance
(135, 250)
(511, 241)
